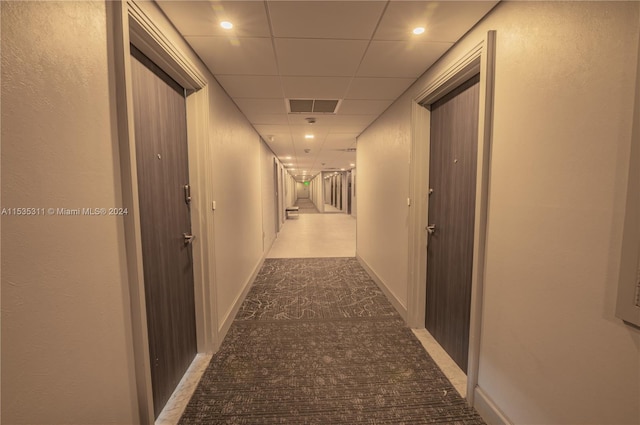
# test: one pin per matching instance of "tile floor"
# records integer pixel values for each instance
(316, 235)
(310, 236)
(328, 208)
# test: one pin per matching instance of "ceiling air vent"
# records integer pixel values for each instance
(318, 106)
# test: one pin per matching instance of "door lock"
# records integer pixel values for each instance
(188, 238)
(431, 229)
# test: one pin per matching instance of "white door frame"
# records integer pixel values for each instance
(135, 24)
(480, 59)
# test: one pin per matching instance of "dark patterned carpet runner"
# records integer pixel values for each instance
(316, 342)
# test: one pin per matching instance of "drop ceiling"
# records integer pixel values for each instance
(362, 53)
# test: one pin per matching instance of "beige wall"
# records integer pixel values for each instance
(302, 191)
(236, 188)
(290, 190)
(383, 188)
(66, 348)
(66, 344)
(354, 199)
(551, 349)
(267, 159)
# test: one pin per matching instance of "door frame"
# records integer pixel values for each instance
(479, 59)
(277, 194)
(135, 23)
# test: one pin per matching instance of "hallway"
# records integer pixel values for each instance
(317, 342)
(281, 96)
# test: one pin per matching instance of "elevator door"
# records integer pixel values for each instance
(163, 176)
(452, 182)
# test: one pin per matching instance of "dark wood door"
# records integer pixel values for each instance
(452, 182)
(161, 150)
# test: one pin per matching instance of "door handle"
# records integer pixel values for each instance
(431, 229)
(187, 193)
(188, 238)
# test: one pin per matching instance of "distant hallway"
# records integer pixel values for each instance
(306, 206)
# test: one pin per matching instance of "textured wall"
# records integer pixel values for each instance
(382, 191)
(237, 190)
(551, 349)
(65, 343)
(268, 195)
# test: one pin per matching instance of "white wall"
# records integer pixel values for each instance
(317, 192)
(237, 189)
(383, 188)
(66, 345)
(551, 349)
(290, 190)
(66, 337)
(302, 190)
(268, 206)
(354, 199)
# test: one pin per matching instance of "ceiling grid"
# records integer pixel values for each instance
(361, 53)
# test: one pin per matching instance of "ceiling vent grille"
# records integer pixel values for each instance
(316, 106)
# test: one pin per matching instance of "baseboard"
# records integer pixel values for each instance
(489, 411)
(384, 288)
(228, 320)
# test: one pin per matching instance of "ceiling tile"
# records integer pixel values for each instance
(299, 131)
(203, 17)
(262, 106)
(280, 131)
(378, 88)
(326, 123)
(353, 120)
(256, 87)
(355, 20)
(400, 59)
(328, 58)
(363, 107)
(323, 52)
(315, 87)
(444, 21)
(267, 119)
(339, 141)
(245, 56)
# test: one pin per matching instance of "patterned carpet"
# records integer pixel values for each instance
(316, 342)
(306, 206)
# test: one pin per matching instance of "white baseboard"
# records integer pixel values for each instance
(384, 288)
(228, 320)
(489, 411)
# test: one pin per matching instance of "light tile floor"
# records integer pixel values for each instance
(316, 235)
(310, 236)
(328, 208)
(172, 412)
(446, 364)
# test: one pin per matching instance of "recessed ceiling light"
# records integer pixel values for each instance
(226, 25)
(352, 165)
(418, 30)
(287, 157)
(309, 136)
